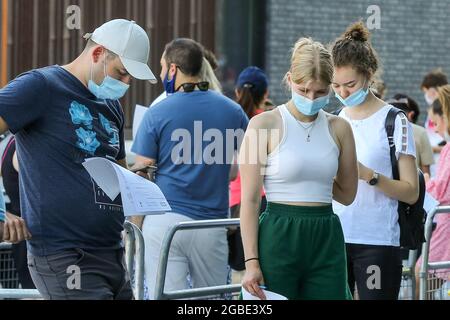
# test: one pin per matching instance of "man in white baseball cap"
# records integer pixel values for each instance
(62, 115)
(130, 42)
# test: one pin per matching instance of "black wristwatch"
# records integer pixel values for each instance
(374, 180)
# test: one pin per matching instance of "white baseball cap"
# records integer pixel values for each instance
(130, 42)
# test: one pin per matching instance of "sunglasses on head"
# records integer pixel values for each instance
(190, 86)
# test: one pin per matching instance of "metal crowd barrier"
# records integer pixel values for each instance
(134, 257)
(408, 282)
(164, 257)
(17, 294)
(427, 266)
(9, 277)
(135, 254)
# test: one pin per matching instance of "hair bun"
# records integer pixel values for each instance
(357, 32)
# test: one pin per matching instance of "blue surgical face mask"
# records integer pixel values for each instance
(428, 99)
(355, 99)
(307, 106)
(110, 88)
(169, 85)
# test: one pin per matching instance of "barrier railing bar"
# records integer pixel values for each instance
(134, 250)
(164, 257)
(426, 266)
(19, 294)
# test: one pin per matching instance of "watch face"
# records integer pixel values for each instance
(374, 179)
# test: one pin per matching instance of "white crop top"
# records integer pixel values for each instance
(298, 170)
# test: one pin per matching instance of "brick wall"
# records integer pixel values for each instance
(413, 39)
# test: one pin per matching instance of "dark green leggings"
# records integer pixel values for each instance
(302, 252)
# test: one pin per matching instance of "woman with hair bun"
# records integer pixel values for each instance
(370, 223)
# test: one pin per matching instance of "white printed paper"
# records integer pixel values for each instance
(139, 195)
(435, 138)
(139, 113)
(269, 295)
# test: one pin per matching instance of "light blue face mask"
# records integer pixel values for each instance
(355, 99)
(307, 106)
(110, 88)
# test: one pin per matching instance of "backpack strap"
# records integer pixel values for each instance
(390, 128)
(7, 144)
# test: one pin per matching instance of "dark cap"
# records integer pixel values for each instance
(253, 77)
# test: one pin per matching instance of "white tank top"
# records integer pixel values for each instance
(299, 170)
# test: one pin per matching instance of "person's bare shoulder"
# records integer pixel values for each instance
(339, 123)
(266, 120)
(341, 128)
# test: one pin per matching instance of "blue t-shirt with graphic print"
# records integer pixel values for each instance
(58, 124)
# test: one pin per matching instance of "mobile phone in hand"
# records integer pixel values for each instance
(147, 169)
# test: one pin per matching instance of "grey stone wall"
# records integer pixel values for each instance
(414, 37)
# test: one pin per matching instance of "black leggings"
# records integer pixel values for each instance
(376, 270)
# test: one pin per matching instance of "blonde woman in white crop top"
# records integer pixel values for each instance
(370, 223)
(305, 158)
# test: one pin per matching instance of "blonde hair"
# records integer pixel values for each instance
(310, 61)
(444, 100)
(207, 74)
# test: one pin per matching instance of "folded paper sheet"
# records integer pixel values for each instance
(269, 295)
(429, 203)
(139, 196)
